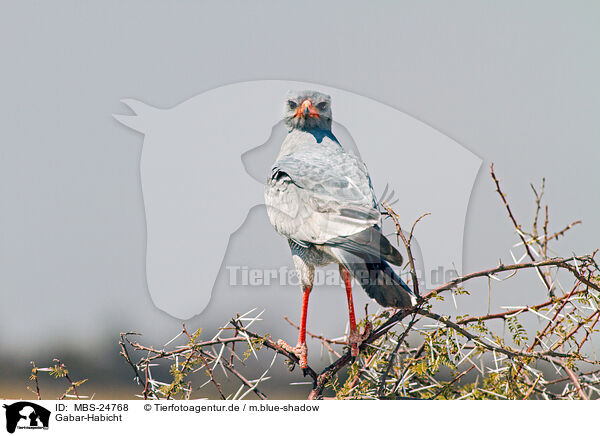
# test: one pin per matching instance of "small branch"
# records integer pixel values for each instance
(573, 378)
(390, 364)
(267, 342)
(229, 367)
(532, 387)
(411, 260)
(506, 351)
(453, 381)
(558, 262)
(210, 375)
(68, 378)
(126, 356)
(518, 227)
(332, 369)
(34, 375)
(508, 313)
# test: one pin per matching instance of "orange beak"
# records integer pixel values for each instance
(306, 110)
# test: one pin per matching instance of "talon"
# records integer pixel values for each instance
(356, 339)
(300, 351)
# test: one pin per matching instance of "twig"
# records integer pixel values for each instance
(34, 376)
(517, 227)
(411, 260)
(390, 364)
(68, 378)
(453, 381)
(558, 262)
(573, 378)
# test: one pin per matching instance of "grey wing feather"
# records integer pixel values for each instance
(369, 241)
(316, 197)
(377, 278)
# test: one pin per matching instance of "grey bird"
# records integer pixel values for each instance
(321, 199)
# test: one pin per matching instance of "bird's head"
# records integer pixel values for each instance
(307, 110)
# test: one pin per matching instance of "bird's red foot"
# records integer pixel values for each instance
(300, 351)
(356, 339)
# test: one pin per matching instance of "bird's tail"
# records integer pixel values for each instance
(377, 278)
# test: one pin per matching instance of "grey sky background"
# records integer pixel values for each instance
(517, 84)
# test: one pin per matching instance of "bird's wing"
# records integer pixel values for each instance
(316, 195)
(369, 242)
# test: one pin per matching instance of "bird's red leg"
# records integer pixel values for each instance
(302, 337)
(354, 339)
(300, 350)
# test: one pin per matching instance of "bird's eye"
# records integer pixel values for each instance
(322, 106)
(292, 104)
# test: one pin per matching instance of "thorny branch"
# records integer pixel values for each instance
(458, 356)
(518, 227)
(58, 371)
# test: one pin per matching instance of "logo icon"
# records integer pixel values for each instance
(26, 415)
